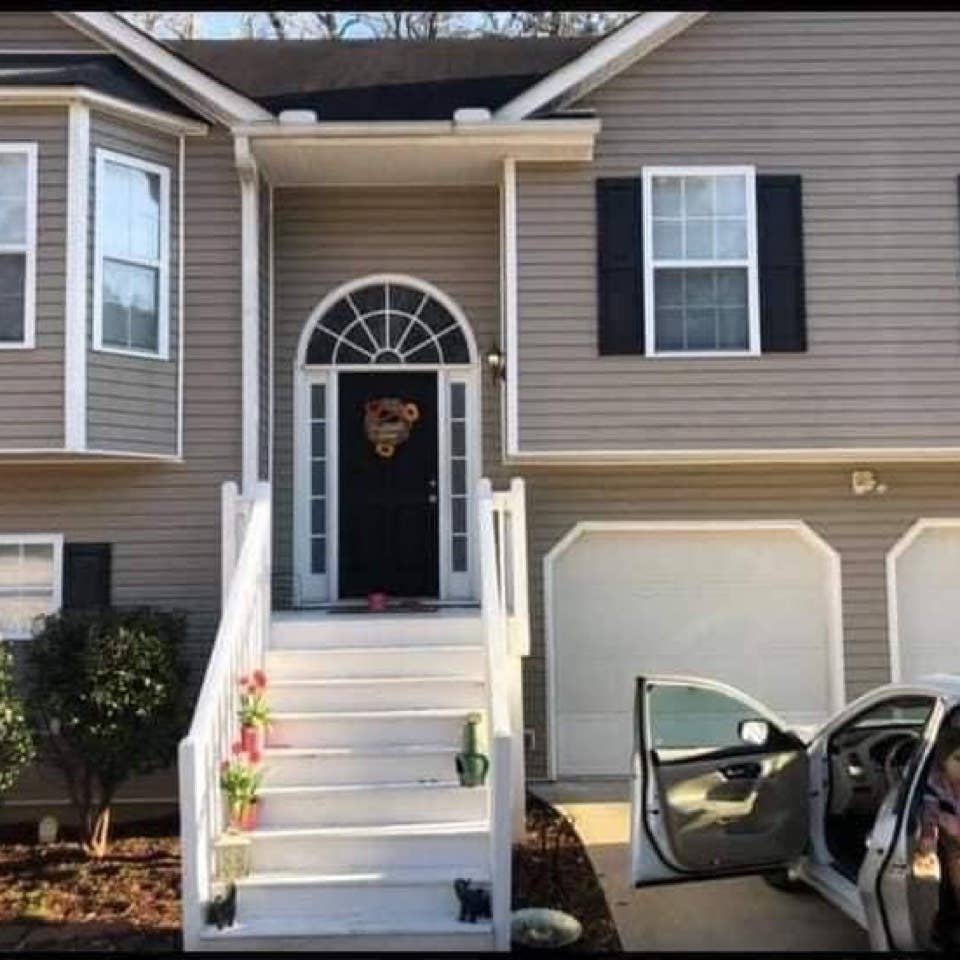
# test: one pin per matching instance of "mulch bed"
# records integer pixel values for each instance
(53, 898)
(551, 869)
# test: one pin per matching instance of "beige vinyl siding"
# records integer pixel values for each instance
(40, 32)
(866, 108)
(445, 236)
(31, 381)
(163, 519)
(132, 401)
(860, 529)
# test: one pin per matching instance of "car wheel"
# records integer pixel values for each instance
(785, 880)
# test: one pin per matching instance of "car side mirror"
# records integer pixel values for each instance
(754, 732)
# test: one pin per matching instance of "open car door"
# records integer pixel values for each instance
(720, 787)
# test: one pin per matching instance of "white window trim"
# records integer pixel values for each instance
(56, 541)
(163, 300)
(753, 289)
(29, 248)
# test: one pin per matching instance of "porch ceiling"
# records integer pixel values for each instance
(416, 153)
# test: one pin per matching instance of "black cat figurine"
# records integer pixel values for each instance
(222, 909)
(474, 902)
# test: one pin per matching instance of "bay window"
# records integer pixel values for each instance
(700, 261)
(18, 242)
(131, 256)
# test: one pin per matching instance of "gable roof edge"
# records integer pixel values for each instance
(179, 78)
(634, 40)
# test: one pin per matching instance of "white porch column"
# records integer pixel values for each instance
(250, 312)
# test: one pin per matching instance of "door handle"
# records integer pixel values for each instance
(741, 771)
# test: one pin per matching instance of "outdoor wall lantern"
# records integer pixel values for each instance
(496, 362)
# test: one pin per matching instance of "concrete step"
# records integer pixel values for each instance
(376, 763)
(383, 693)
(302, 629)
(315, 935)
(368, 662)
(423, 894)
(389, 846)
(370, 804)
(367, 727)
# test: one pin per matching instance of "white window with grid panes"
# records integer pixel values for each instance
(131, 256)
(31, 575)
(18, 244)
(700, 262)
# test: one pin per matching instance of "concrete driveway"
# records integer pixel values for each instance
(742, 913)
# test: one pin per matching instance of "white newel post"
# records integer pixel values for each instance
(229, 496)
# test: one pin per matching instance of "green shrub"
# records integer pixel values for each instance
(16, 744)
(107, 690)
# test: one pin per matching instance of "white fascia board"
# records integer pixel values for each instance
(58, 96)
(166, 69)
(609, 56)
(508, 134)
(743, 456)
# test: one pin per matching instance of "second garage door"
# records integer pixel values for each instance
(757, 606)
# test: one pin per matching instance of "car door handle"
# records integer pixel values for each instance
(740, 771)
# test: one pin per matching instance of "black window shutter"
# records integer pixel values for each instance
(783, 321)
(619, 266)
(86, 576)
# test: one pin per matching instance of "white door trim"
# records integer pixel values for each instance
(913, 533)
(315, 589)
(837, 684)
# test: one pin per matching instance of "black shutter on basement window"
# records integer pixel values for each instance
(86, 576)
(783, 321)
(619, 266)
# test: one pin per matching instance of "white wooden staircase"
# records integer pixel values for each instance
(363, 826)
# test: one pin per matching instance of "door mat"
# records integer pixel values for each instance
(400, 606)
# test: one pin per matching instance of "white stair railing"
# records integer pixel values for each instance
(238, 649)
(503, 580)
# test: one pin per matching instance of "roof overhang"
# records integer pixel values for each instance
(41, 96)
(599, 63)
(414, 153)
(193, 87)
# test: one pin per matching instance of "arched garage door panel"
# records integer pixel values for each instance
(927, 587)
(753, 607)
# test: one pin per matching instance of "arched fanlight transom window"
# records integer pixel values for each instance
(388, 322)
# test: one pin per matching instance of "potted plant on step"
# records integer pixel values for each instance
(254, 712)
(240, 780)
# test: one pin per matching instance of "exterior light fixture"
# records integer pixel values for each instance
(865, 482)
(496, 362)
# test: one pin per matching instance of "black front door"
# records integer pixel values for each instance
(389, 534)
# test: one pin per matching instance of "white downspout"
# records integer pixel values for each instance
(250, 313)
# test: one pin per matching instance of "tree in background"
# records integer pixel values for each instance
(389, 24)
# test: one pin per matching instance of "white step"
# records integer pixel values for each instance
(378, 763)
(385, 693)
(355, 728)
(370, 804)
(439, 660)
(424, 894)
(348, 849)
(316, 935)
(316, 629)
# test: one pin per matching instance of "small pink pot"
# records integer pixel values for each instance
(251, 739)
(246, 819)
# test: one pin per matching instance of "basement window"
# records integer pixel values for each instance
(31, 576)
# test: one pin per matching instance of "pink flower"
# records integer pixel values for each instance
(237, 748)
(259, 679)
(254, 757)
(244, 680)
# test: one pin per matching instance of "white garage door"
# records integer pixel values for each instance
(755, 607)
(925, 624)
